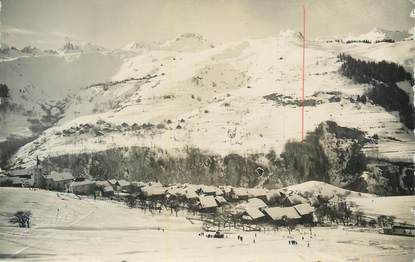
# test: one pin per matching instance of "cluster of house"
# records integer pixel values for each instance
(18, 177)
(248, 203)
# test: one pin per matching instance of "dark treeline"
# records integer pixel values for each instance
(367, 71)
(383, 77)
(365, 41)
(4, 90)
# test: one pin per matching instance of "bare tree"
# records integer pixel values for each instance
(22, 218)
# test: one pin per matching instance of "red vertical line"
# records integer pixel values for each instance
(302, 79)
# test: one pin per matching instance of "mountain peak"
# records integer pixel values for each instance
(187, 42)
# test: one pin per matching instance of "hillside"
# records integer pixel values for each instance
(241, 97)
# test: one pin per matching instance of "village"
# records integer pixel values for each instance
(221, 208)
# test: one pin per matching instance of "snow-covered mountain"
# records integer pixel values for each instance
(188, 42)
(7, 52)
(46, 83)
(240, 97)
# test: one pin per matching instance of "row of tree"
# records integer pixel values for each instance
(342, 212)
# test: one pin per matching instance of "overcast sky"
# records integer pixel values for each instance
(114, 23)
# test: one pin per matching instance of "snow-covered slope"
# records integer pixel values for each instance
(236, 97)
(313, 189)
(401, 207)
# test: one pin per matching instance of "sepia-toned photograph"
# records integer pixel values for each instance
(207, 130)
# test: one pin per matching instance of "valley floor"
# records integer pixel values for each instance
(66, 228)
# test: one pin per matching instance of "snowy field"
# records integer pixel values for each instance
(402, 207)
(65, 228)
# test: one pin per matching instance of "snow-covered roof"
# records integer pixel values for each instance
(123, 182)
(22, 172)
(191, 194)
(256, 202)
(60, 176)
(304, 209)
(18, 172)
(276, 213)
(112, 181)
(220, 199)
(138, 183)
(257, 192)
(82, 183)
(296, 199)
(16, 180)
(211, 189)
(240, 191)
(102, 183)
(254, 213)
(108, 189)
(207, 201)
(251, 203)
(153, 190)
(176, 191)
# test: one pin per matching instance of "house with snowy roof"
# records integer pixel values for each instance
(306, 211)
(209, 191)
(153, 192)
(257, 193)
(301, 213)
(59, 181)
(253, 215)
(281, 215)
(239, 193)
(85, 187)
(207, 204)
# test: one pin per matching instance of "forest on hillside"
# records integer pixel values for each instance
(382, 76)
